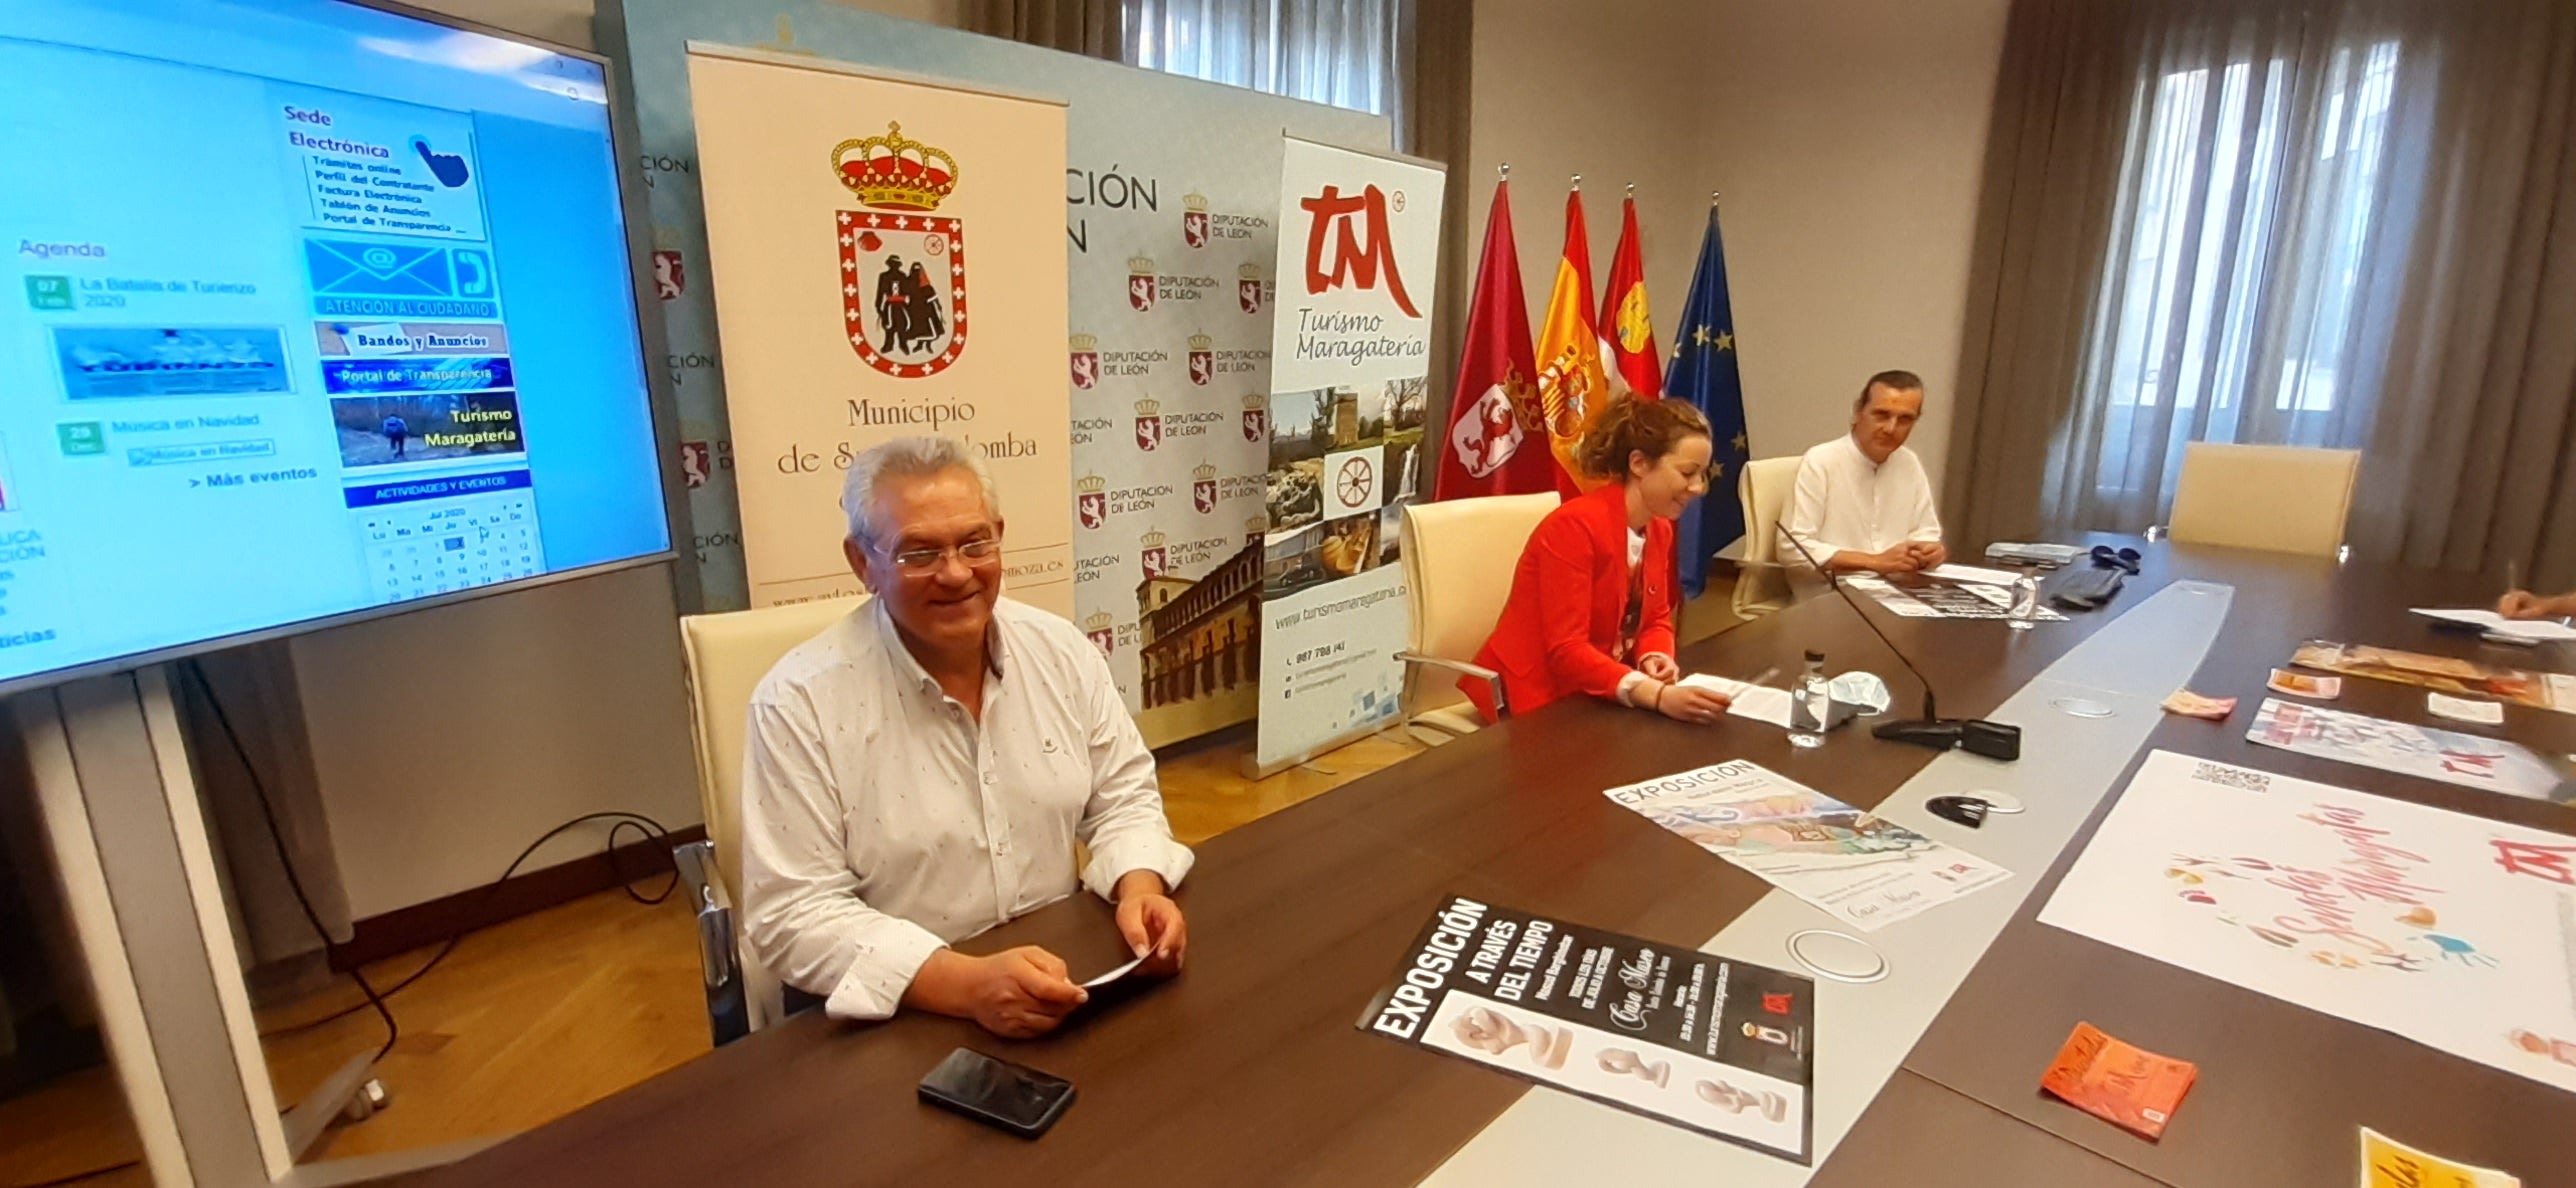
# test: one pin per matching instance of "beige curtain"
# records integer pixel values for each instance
(1086, 27)
(1438, 114)
(2238, 220)
(2473, 460)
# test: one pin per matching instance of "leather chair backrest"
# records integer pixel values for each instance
(1459, 555)
(2283, 499)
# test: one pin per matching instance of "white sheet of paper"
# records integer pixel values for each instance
(2495, 624)
(2450, 930)
(1973, 574)
(2462, 709)
(1762, 703)
(1113, 975)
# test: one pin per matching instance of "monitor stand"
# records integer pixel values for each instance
(119, 806)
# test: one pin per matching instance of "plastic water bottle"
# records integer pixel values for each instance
(2025, 603)
(1812, 707)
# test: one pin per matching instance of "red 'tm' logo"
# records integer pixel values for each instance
(1354, 262)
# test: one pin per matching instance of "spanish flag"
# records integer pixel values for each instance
(1571, 383)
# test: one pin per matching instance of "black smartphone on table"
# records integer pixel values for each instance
(998, 1093)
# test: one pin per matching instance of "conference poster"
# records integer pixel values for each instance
(1700, 1041)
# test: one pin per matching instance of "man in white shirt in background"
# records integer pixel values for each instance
(1863, 502)
(921, 771)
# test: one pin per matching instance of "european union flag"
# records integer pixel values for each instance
(1703, 372)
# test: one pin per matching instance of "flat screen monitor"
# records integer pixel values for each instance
(311, 311)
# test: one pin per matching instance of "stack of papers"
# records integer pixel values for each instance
(1973, 574)
(2037, 554)
(2495, 624)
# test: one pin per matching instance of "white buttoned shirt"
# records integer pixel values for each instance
(880, 820)
(1847, 503)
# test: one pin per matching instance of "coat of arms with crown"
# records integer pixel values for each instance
(903, 269)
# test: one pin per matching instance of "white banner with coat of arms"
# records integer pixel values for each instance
(842, 211)
(1359, 249)
(1161, 168)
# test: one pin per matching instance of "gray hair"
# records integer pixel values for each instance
(907, 457)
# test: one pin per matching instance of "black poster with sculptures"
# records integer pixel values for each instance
(1703, 1042)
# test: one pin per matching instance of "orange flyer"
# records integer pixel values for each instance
(2130, 1086)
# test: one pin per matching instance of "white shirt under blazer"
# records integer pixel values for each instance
(881, 821)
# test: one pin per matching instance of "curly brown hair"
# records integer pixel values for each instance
(1649, 427)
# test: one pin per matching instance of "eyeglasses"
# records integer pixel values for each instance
(928, 558)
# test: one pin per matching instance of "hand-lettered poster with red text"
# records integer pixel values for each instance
(2448, 929)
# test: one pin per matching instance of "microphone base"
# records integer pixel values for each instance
(1940, 734)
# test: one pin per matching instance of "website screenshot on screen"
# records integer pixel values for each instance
(308, 309)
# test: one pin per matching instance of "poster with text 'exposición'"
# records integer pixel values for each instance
(1705, 1042)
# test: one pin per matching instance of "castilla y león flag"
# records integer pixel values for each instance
(1626, 328)
(1571, 382)
(1497, 443)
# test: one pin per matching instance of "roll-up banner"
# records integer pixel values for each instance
(1169, 201)
(1359, 247)
(885, 264)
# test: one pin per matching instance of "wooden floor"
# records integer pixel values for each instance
(532, 1019)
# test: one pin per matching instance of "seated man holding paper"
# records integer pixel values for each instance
(1863, 502)
(921, 771)
(2525, 605)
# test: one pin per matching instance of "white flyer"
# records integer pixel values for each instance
(2450, 930)
(1862, 870)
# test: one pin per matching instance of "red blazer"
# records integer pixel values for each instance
(1559, 633)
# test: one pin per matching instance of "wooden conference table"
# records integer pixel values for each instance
(1249, 1069)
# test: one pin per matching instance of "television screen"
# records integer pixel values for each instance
(311, 310)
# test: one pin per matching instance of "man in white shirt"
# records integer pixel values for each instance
(921, 771)
(1863, 502)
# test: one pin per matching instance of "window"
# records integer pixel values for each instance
(1343, 52)
(2240, 269)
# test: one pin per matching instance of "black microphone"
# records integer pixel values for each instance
(1931, 730)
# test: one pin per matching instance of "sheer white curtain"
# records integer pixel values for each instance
(1348, 53)
(2265, 212)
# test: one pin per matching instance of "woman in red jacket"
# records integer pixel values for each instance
(1591, 604)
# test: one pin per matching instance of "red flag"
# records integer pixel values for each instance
(1571, 386)
(1497, 441)
(1627, 330)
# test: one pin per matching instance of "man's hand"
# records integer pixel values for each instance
(1152, 923)
(1015, 994)
(1895, 560)
(1660, 667)
(1928, 554)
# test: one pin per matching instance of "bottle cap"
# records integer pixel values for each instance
(1815, 657)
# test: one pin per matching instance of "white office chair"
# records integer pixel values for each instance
(1458, 561)
(2281, 499)
(726, 656)
(1765, 487)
